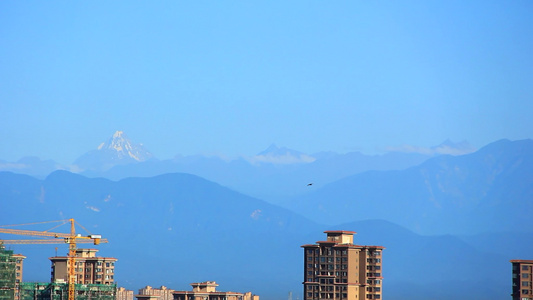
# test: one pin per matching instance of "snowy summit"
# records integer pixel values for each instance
(117, 150)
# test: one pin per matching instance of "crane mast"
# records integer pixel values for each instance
(72, 239)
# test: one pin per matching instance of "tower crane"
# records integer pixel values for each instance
(72, 239)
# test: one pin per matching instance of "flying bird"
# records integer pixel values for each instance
(309, 184)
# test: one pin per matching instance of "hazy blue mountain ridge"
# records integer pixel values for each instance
(488, 190)
(175, 229)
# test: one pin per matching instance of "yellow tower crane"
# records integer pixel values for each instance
(71, 239)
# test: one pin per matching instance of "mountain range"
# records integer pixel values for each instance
(445, 194)
(275, 174)
(450, 223)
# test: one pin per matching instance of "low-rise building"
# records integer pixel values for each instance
(124, 294)
(148, 292)
(207, 291)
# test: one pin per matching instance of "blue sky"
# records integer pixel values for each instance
(232, 77)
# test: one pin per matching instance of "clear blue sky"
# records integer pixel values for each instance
(232, 77)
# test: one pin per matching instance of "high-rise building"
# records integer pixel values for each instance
(19, 259)
(522, 279)
(338, 269)
(88, 268)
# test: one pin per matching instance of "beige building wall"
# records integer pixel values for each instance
(338, 269)
(19, 271)
(522, 279)
(162, 293)
(124, 294)
(88, 268)
(207, 291)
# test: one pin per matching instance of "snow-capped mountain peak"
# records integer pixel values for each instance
(122, 146)
(117, 150)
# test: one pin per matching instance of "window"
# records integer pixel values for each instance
(525, 268)
(525, 283)
(525, 275)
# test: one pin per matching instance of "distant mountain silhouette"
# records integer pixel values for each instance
(485, 191)
(265, 176)
(275, 174)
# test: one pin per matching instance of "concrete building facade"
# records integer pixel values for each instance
(19, 263)
(207, 291)
(124, 294)
(162, 293)
(89, 268)
(522, 279)
(339, 269)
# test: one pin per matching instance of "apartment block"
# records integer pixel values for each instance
(339, 269)
(124, 294)
(162, 293)
(522, 279)
(10, 274)
(207, 291)
(89, 268)
(19, 260)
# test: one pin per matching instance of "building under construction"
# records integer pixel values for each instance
(78, 276)
(59, 291)
(10, 273)
(7, 274)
